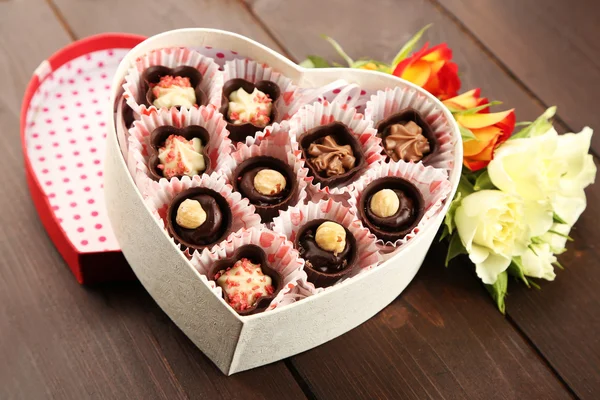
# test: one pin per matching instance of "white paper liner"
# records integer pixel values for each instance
(218, 147)
(212, 79)
(277, 129)
(281, 256)
(275, 142)
(323, 113)
(253, 71)
(432, 182)
(390, 101)
(289, 222)
(160, 196)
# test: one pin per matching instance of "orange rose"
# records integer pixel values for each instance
(490, 129)
(432, 70)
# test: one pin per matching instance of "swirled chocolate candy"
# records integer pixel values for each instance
(269, 184)
(406, 136)
(391, 207)
(329, 250)
(248, 107)
(198, 217)
(177, 152)
(333, 155)
(249, 283)
(166, 87)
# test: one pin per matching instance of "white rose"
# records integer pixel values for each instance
(547, 170)
(556, 237)
(537, 262)
(494, 227)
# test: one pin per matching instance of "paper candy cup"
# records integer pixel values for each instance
(289, 223)
(281, 256)
(433, 184)
(390, 101)
(275, 143)
(242, 212)
(218, 147)
(212, 79)
(255, 72)
(324, 113)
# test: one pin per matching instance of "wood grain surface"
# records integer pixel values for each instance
(442, 338)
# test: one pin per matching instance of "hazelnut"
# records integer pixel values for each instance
(190, 214)
(269, 182)
(385, 203)
(331, 236)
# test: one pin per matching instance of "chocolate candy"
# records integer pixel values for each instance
(181, 217)
(406, 136)
(333, 155)
(245, 277)
(391, 218)
(239, 131)
(256, 176)
(151, 77)
(325, 265)
(158, 139)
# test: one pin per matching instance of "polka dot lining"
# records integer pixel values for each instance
(65, 136)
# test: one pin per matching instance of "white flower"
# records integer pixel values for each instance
(537, 262)
(494, 227)
(546, 170)
(556, 237)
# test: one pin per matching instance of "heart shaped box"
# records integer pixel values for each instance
(235, 343)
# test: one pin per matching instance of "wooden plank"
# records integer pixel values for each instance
(152, 17)
(550, 47)
(58, 339)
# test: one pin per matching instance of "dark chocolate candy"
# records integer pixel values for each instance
(410, 212)
(324, 268)
(213, 230)
(160, 135)
(403, 117)
(151, 76)
(342, 136)
(238, 133)
(257, 256)
(266, 206)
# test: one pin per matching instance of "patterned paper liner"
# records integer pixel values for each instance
(253, 71)
(218, 147)
(280, 254)
(433, 184)
(390, 101)
(242, 212)
(289, 222)
(276, 143)
(277, 129)
(212, 79)
(318, 114)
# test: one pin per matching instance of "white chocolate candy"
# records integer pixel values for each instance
(174, 96)
(385, 203)
(252, 107)
(181, 157)
(190, 214)
(244, 284)
(269, 182)
(331, 236)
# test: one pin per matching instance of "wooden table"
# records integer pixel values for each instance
(443, 338)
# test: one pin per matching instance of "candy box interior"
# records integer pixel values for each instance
(300, 314)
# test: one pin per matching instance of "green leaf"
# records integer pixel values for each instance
(558, 219)
(409, 46)
(559, 265)
(449, 218)
(475, 110)
(523, 123)
(484, 182)
(498, 291)
(465, 187)
(537, 127)
(569, 238)
(339, 50)
(516, 269)
(455, 248)
(315, 62)
(466, 134)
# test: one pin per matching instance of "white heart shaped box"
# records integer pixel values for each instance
(232, 342)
